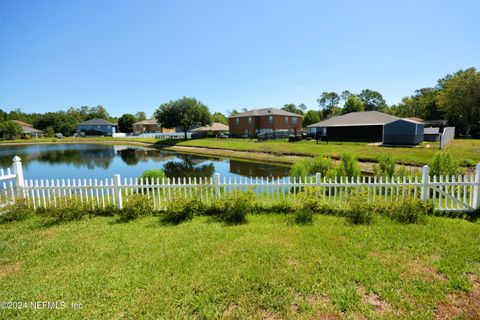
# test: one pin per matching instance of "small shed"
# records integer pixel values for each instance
(403, 132)
(431, 134)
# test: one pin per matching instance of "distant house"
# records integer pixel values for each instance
(216, 128)
(253, 122)
(96, 127)
(369, 126)
(29, 130)
(150, 126)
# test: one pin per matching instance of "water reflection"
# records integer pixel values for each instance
(102, 161)
(249, 169)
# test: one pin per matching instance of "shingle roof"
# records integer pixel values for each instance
(27, 130)
(21, 123)
(265, 112)
(146, 122)
(216, 126)
(365, 118)
(96, 122)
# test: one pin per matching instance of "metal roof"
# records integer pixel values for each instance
(365, 118)
(265, 112)
(96, 122)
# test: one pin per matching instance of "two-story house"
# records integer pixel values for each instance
(253, 122)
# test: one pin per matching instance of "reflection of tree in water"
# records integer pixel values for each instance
(132, 156)
(129, 156)
(188, 167)
(79, 158)
(91, 158)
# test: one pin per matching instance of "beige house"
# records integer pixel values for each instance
(29, 130)
(150, 126)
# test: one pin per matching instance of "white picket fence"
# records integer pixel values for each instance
(451, 193)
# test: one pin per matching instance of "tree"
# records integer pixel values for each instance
(353, 104)
(219, 117)
(328, 101)
(232, 113)
(372, 100)
(125, 123)
(345, 95)
(10, 130)
(61, 122)
(311, 117)
(422, 104)
(290, 107)
(140, 116)
(460, 100)
(49, 132)
(183, 113)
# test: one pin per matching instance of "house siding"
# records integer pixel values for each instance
(261, 123)
(110, 130)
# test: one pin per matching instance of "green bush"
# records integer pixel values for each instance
(311, 200)
(348, 166)
(360, 211)
(304, 217)
(153, 174)
(385, 166)
(443, 164)
(16, 212)
(233, 207)
(134, 207)
(68, 209)
(410, 210)
(308, 167)
(182, 210)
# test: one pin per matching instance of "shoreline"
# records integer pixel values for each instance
(279, 159)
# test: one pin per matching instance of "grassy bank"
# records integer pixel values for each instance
(267, 268)
(466, 151)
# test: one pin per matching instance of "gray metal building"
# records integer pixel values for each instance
(403, 132)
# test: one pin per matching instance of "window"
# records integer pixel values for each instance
(237, 121)
(270, 119)
(286, 120)
(249, 120)
(294, 120)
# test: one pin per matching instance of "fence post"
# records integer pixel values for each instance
(216, 182)
(476, 188)
(318, 178)
(117, 191)
(18, 171)
(425, 182)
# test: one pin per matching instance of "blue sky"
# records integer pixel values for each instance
(134, 55)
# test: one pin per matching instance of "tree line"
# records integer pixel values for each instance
(455, 97)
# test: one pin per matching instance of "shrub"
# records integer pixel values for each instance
(360, 211)
(348, 166)
(385, 166)
(307, 167)
(182, 210)
(443, 164)
(403, 171)
(16, 212)
(233, 207)
(304, 217)
(135, 206)
(67, 210)
(301, 169)
(410, 210)
(153, 174)
(311, 200)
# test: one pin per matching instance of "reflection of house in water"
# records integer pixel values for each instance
(249, 169)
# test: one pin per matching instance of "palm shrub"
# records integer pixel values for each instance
(385, 166)
(348, 166)
(153, 174)
(443, 164)
(301, 169)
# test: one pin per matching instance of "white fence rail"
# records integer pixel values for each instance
(450, 193)
(447, 136)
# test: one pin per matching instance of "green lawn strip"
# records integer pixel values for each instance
(465, 151)
(267, 267)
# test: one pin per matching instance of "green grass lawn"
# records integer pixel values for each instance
(268, 268)
(466, 151)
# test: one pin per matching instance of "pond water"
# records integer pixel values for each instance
(54, 161)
